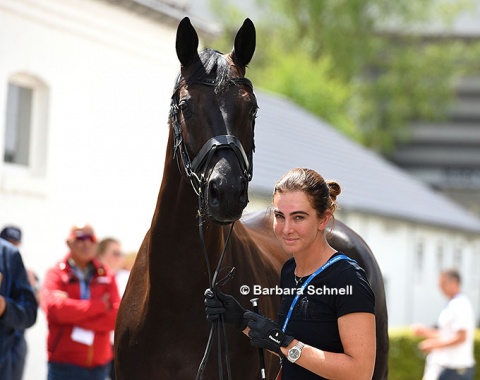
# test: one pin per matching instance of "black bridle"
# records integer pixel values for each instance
(196, 171)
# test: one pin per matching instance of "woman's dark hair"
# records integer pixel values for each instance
(322, 194)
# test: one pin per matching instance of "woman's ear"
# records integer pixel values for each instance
(324, 220)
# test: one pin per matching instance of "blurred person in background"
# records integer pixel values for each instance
(13, 234)
(109, 252)
(449, 347)
(18, 311)
(80, 299)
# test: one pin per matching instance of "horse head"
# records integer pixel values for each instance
(213, 116)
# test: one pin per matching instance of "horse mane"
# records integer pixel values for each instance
(210, 65)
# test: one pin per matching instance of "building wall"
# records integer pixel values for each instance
(108, 87)
(105, 77)
(411, 257)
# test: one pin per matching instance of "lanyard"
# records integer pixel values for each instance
(310, 278)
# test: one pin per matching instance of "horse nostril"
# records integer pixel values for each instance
(214, 194)
(227, 198)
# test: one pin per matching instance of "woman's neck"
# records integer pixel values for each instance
(309, 262)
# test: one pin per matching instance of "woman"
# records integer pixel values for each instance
(330, 331)
(109, 252)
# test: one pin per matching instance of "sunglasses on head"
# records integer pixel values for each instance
(85, 238)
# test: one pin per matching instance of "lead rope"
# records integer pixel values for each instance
(221, 333)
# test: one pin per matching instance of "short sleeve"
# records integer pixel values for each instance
(360, 297)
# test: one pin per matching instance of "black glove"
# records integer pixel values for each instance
(226, 305)
(265, 333)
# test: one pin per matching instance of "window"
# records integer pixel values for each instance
(24, 135)
(440, 257)
(457, 258)
(18, 125)
(419, 257)
(419, 260)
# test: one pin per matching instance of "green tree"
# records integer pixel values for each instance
(364, 66)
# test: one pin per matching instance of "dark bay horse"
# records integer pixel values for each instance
(161, 330)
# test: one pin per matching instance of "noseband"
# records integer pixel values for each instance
(196, 169)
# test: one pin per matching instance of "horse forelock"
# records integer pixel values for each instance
(211, 65)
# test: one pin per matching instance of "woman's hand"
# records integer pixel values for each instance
(265, 333)
(227, 306)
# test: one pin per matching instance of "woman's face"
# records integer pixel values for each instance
(296, 223)
(113, 256)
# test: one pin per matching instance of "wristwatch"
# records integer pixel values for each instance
(295, 352)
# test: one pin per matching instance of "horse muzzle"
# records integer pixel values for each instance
(223, 172)
(226, 195)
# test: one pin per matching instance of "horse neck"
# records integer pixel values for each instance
(174, 234)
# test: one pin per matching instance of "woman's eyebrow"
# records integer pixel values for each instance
(292, 213)
(298, 213)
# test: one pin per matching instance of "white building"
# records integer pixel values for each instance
(92, 81)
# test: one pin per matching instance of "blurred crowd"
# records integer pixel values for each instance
(80, 296)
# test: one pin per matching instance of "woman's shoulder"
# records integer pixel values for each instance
(345, 262)
(345, 268)
(289, 265)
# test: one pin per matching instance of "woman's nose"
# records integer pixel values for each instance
(287, 227)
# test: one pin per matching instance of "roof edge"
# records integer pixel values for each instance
(167, 13)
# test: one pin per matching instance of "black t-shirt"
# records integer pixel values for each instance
(340, 289)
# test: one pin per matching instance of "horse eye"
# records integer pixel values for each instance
(253, 113)
(183, 105)
(185, 108)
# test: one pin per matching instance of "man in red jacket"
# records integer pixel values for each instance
(80, 299)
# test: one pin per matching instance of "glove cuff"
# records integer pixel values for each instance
(287, 340)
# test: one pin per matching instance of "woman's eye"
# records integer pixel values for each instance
(278, 216)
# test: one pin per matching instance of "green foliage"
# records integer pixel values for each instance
(414, 81)
(299, 79)
(361, 65)
(406, 361)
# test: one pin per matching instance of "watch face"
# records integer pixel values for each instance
(294, 353)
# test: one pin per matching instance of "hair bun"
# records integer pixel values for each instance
(335, 189)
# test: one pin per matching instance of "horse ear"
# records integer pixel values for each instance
(244, 45)
(187, 42)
